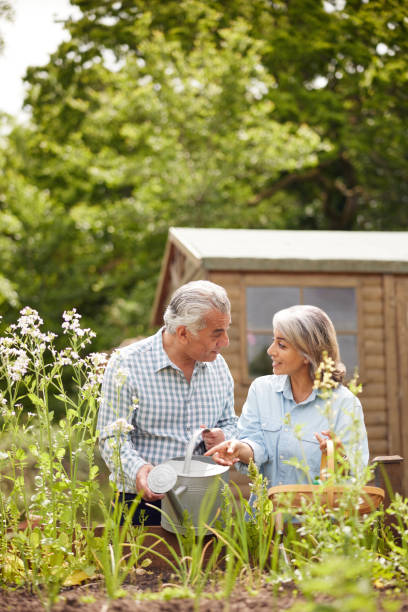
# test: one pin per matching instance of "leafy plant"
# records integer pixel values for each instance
(60, 453)
(50, 491)
(197, 555)
(336, 584)
(119, 550)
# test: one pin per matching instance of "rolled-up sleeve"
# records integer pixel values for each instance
(228, 419)
(350, 428)
(250, 429)
(116, 408)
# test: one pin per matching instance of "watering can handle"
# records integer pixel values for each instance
(327, 461)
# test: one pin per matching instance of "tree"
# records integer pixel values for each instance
(230, 114)
(7, 291)
(336, 66)
(6, 12)
(169, 138)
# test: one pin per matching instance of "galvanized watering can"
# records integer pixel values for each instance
(185, 481)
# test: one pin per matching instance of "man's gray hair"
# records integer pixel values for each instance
(191, 302)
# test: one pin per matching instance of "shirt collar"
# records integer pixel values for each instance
(162, 360)
(286, 389)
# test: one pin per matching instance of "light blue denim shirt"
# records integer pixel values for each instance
(278, 429)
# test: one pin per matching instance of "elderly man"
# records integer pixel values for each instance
(158, 391)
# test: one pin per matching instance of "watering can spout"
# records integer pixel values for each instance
(178, 510)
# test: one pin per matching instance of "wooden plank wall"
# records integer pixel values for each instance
(402, 360)
(231, 281)
(377, 356)
(372, 357)
(382, 302)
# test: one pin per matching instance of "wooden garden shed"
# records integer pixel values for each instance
(359, 278)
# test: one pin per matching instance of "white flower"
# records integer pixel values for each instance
(28, 325)
(119, 426)
(71, 324)
(121, 376)
(18, 368)
(98, 359)
(3, 455)
(29, 322)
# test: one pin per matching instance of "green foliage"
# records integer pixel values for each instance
(49, 482)
(120, 547)
(168, 139)
(337, 67)
(196, 556)
(195, 113)
(247, 532)
(259, 114)
(6, 12)
(50, 486)
(346, 586)
(397, 538)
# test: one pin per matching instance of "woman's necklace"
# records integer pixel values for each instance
(302, 398)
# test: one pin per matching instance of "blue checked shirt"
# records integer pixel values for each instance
(278, 429)
(145, 389)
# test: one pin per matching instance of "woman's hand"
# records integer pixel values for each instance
(338, 445)
(230, 451)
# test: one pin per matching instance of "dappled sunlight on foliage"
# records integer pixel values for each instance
(259, 115)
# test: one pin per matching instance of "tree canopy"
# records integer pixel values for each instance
(229, 114)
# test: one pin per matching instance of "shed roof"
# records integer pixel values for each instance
(294, 250)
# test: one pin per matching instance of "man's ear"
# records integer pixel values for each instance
(182, 334)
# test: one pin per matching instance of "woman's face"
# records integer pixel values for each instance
(285, 358)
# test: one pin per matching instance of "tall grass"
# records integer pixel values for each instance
(52, 496)
(48, 485)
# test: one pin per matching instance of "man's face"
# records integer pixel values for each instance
(206, 344)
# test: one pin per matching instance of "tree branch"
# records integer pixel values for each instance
(289, 179)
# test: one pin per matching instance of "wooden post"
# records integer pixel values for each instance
(389, 476)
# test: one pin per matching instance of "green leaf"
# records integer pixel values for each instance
(38, 401)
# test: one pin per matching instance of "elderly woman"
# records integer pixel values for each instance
(285, 417)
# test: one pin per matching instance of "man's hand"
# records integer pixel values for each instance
(212, 437)
(141, 484)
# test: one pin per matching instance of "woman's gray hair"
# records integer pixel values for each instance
(310, 330)
(191, 302)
